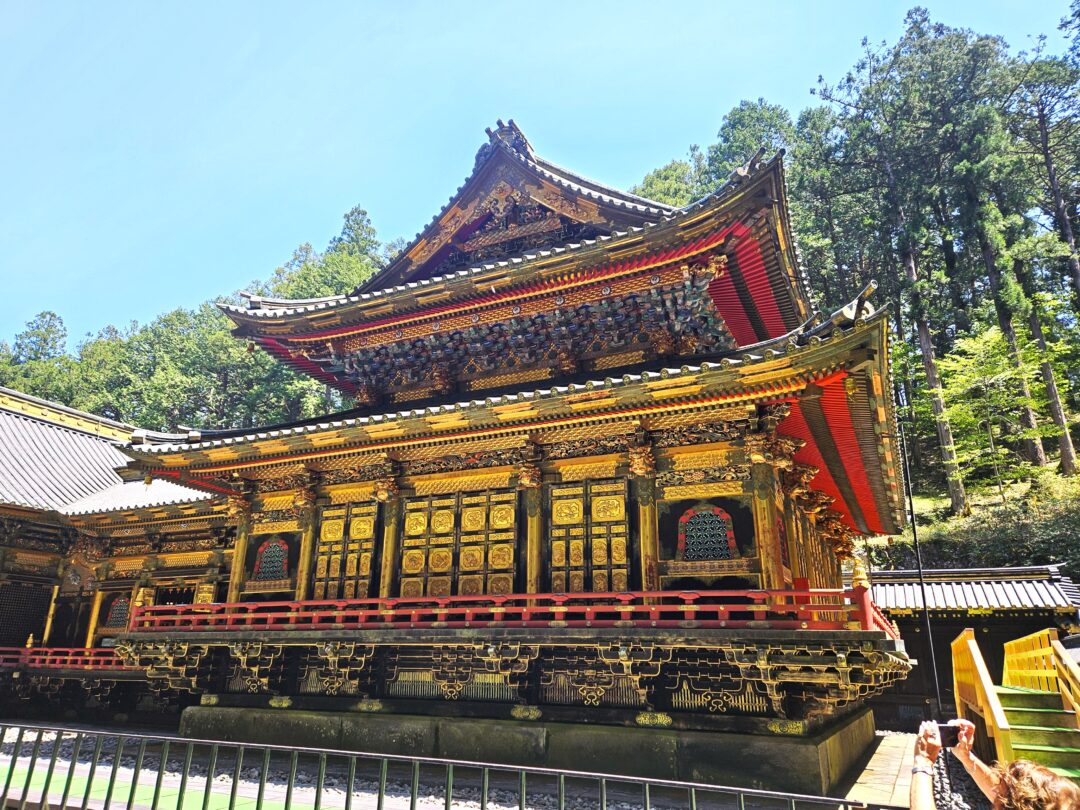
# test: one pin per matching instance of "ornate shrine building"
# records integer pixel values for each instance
(603, 463)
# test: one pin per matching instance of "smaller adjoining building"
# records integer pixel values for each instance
(999, 604)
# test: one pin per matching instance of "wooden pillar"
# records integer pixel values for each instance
(391, 529)
(95, 612)
(534, 538)
(794, 540)
(763, 480)
(239, 556)
(49, 616)
(308, 527)
(648, 533)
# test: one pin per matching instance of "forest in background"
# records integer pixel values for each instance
(945, 166)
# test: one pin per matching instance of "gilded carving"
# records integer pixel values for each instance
(608, 508)
(442, 522)
(416, 524)
(642, 461)
(502, 516)
(332, 531)
(529, 476)
(474, 519)
(386, 489)
(568, 511)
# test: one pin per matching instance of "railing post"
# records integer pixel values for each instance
(865, 604)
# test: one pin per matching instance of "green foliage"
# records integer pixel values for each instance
(1042, 528)
(185, 368)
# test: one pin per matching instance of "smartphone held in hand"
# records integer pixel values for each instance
(950, 735)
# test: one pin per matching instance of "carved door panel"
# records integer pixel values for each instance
(589, 537)
(460, 544)
(345, 557)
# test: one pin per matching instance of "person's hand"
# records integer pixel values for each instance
(927, 744)
(964, 744)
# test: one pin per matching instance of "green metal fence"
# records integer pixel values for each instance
(75, 769)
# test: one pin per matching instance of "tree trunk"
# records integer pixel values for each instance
(953, 480)
(1032, 444)
(1061, 213)
(1057, 407)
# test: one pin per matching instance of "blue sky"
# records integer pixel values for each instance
(155, 155)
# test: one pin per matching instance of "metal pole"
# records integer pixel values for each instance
(918, 561)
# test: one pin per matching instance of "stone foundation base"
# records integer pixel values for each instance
(799, 764)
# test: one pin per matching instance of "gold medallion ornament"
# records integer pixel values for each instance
(502, 516)
(415, 523)
(332, 530)
(501, 556)
(608, 508)
(472, 558)
(442, 522)
(412, 561)
(566, 512)
(440, 560)
(474, 519)
(362, 528)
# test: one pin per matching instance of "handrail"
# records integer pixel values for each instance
(1040, 661)
(975, 693)
(1029, 662)
(366, 778)
(1068, 678)
(60, 658)
(808, 609)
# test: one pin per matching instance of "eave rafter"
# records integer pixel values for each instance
(778, 371)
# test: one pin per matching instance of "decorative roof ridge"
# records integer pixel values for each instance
(301, 305)
(509, 139)
(62, 416)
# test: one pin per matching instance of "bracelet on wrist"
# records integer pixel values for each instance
(923, 769)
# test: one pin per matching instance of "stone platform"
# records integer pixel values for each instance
(813, 764)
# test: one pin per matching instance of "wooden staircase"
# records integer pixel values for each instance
(1032, 714)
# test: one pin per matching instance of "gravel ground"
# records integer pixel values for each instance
(953, 788)
(502, 793)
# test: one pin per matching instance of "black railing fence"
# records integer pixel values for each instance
(75, 769)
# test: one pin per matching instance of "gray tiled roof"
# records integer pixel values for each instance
(56, 467)
(134, 495)
(1040, 587)
(46, 466)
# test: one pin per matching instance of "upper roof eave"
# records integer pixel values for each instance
(725, 198)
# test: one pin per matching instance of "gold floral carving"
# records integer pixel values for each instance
(502, 516)
(567, 511)
(474, 519)
(529, 476)
(608, 508)
(362, 527)
(385, 489)
(442, 522)
(332, 531)
(416, 524)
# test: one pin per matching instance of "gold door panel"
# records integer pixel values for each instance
(463, 543)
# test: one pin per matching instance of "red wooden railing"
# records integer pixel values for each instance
(783, 610)
(59, 658)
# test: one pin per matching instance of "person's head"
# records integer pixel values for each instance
(1025, 785)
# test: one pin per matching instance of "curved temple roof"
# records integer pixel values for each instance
(58, 459)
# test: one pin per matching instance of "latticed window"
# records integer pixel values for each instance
(705, 533)
(118, 612)
(272, 561)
